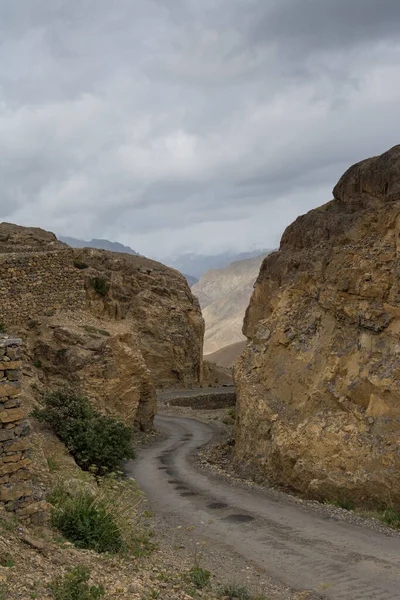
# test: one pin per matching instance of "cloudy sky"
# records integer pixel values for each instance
(178, 125)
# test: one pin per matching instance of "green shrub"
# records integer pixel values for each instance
(391, 517)
(37, 363)
(199, 577)
(74, 586)
(103, 517)
(97, 442)
(3, 328)
(86, 522)
(100, 286)
(6, 560)
(79, 264)
(234, 591)
(95, 330)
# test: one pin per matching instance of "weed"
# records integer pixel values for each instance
(234, 591)
(105, 520)
(343, 502)
(86, 522)
(6, 560)
(90, 329)
(80, 264)
(32, 324)
(3, 328)
(199, 577)
(4, 591)
(232, 413)
(37, 363)
(9, 523)
(74, 586)
(391, 517)
(97, 442)
(52, 464)
(100, 286)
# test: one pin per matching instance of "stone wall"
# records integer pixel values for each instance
(38, 283)
(15, 486)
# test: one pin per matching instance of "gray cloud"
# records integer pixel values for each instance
(187, 125)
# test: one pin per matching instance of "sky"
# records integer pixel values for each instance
(178, 126)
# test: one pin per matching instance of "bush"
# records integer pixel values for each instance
(104, 518)
(86, 522)
(74, 586)
(391, 517)
(79, 264)
(3, 328)
(101, 286)
(234, 591)
(97, 442)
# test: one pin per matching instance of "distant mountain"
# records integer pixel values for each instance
(190, 279)
(227, 356)
(224, 295)
(198, 264)
(99, 244)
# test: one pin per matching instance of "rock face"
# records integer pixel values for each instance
(318, 385)
(107, 366)
(156, 302)
(224, 295)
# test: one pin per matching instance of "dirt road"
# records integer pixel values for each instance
(302, 549)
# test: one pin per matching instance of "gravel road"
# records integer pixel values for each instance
(297, 548)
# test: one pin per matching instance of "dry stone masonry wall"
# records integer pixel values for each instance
(38, 283)
(15, 486)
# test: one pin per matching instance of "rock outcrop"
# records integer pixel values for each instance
(318, 384)
(157, 303)
(116, 324)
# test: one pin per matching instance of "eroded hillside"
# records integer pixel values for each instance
(224, 295)
(318, 385)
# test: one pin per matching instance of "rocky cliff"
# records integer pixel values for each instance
(318, 385)
(115, 324)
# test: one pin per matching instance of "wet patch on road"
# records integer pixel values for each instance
(239, 519)
(188, 494)
(217, 505)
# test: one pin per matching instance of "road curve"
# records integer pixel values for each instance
(300, 548)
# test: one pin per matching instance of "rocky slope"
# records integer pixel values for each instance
(224, 295)
(227, 356)
(318, 385)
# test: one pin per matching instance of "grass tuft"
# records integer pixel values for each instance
(75, 586)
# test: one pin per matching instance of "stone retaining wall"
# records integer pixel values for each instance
(211, 401)
(38, 283)
(15, 486)
(16, 493)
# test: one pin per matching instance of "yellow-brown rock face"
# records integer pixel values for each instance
(156, 302)
(318, 385)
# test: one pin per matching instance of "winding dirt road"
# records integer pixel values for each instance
(298, 547)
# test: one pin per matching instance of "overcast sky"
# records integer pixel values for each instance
(189, 125)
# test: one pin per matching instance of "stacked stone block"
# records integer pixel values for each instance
(15, 485)
(38, 283)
